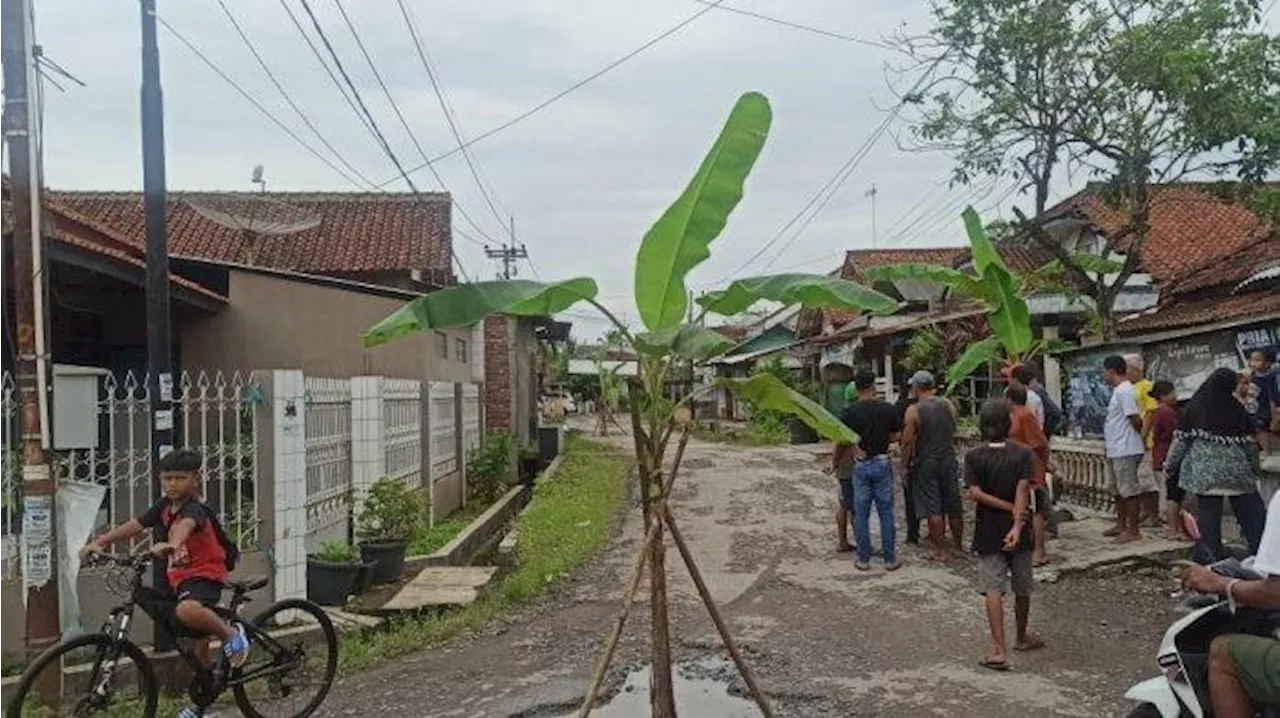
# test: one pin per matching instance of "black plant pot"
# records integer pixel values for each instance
(389, 558)
(330, 583)
(801, 433)
(364, 578)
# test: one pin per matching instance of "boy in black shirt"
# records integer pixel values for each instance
(878, 424)
(999, 475)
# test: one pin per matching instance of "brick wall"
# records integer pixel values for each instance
(499, 394)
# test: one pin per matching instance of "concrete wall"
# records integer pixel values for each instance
(96, 600)
(274, 321)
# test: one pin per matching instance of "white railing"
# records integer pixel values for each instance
(328, 456)
(402, 427)
(472, 432)
(444, 430)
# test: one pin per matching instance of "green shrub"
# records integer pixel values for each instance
(489, 468)
(392, 512)
(337, 552)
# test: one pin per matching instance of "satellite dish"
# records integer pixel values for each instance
(253, 215)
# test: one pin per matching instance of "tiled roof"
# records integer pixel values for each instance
(99, 240)
(1018, 257)
(348, 232)
(858, 260)
(1190, 227)
(731, 331)
(1230, 269)
(1188, 312)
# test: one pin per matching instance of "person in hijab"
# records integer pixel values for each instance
(1215, 456)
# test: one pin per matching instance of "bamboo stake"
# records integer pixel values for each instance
(633, 585)
(716, 618)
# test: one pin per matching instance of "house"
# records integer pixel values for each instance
(513, 372)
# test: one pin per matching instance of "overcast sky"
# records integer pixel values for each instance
(584, 177)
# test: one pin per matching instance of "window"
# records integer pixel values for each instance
(442, 345)
(460, 350)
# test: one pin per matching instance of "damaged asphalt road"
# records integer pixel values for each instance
(822, 638)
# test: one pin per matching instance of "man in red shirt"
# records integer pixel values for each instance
(1024, 428)
(186, 531)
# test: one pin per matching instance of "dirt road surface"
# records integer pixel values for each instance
(823, 638)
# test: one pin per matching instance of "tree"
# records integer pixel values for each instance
(673, 246)
(1133, 93)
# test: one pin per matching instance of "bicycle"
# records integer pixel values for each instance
(270, 673)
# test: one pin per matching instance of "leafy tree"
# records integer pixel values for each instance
(673, 246)
(1133, 93)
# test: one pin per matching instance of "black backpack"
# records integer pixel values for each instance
(229, 547)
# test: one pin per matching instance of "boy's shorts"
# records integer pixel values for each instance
(1257, 663)
(1122, 475)
(162, 604)
(1041, 501)
(1005, 572)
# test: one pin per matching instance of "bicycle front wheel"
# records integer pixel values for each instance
(86, 676)
(287, 675)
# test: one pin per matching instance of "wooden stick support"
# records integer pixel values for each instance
(633, 585)
(705, 593)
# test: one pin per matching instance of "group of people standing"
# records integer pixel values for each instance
(1210, 450)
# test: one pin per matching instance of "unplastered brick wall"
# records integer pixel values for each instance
(499, 394)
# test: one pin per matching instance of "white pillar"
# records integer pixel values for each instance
(891, 391)
(289, 465)
(368, 434)
(1052, 368)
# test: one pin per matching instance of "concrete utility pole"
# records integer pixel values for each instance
(154, 200)
(509, 255)
(38, 548)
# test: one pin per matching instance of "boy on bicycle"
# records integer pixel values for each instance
(186, 531)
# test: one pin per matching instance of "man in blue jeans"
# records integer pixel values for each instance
(878, 424)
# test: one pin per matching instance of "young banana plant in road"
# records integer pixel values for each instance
(678, 242)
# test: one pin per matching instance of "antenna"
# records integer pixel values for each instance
(258, 179)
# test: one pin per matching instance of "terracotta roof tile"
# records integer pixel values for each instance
(354, 232)
(1187, 312)
(1190, 227)
(1230, 269)
(857, 260)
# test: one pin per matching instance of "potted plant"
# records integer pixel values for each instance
(392, 511)
(332, 573)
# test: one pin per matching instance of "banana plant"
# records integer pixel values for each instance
(677, 242)
(1004, 293)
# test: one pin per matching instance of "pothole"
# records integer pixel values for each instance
(702, 689)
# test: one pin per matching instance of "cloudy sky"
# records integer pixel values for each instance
(583, 177)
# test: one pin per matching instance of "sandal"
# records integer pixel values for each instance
(1032, 643)
(989, 664)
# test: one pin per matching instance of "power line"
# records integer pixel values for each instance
(315, 51)
(806, 28)
(262, 63)
(373, 124)
(253, 101)
(572, 88)
(395, 108)
(448, 116)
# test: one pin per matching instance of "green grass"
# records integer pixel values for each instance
(747, 435)
(431, 539)
(568, 523)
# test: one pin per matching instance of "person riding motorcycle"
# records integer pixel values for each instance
(1244, 671)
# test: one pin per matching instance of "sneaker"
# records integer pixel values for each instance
(191, 712)
(237, 649)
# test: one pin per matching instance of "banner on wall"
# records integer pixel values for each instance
(1188, 361)
(1086, 392)
(1264, 337)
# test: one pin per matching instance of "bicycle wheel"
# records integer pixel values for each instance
(288, 675)
(77, 688)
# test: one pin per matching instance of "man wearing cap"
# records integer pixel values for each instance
(929, 456)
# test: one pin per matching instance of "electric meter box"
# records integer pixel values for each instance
(75, 406)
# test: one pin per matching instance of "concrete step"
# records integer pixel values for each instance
(441, 586)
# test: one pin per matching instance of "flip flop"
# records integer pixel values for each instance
(989, 664)
(862, 566)
(1034, 643)
(1041, 563)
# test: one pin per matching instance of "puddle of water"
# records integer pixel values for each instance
(701, 688)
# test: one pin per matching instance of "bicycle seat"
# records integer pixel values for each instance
(252, 583)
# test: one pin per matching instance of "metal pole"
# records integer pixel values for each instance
(159, 349)
(39, 584)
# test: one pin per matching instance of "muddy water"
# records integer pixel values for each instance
(702, 690)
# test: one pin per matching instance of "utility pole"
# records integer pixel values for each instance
(872, 194)
(40, 587)
(509, 255)
(159, 349)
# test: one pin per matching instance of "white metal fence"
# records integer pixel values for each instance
(444, 430)
(472, 433)
(328, 456)
(402, 426)
(216, 414)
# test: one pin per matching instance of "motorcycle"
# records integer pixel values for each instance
(1182, 689)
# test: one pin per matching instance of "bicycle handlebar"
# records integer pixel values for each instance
(128, 560)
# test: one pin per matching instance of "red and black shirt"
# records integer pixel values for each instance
(202, 555)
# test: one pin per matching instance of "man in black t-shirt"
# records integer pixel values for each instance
(998, 474)
(877, 424)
